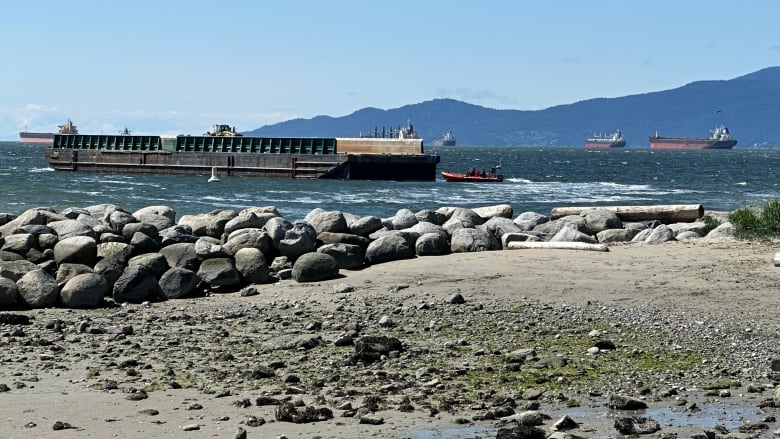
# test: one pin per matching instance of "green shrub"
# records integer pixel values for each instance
(757, 223)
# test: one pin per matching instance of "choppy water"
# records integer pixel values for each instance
(536, 179)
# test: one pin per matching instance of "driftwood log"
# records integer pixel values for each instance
(680, 213)
(562, 245)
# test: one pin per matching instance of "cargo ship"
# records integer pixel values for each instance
(28, 137)
(447, 140)
(614, 140)
(400, 158)
(719, 139)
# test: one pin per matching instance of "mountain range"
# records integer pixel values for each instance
(749, 105)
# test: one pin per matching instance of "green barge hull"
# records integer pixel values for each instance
(286, 157)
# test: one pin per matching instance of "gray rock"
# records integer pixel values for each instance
(498, 226)
(277, 227)
(69, 228)
(616, 235)
(497, 211)
(182, 255)
(39, 215)
(14, 270)
(688, 235)
(602, 219)
(625, 402)
(467, 217)
(130, 229)
(403, 219)
(135, 285)
(636, 425)
(430, 216)
(473, 240)
(154, 263)
(328, 221)
(143, 243)
(47, 240)
(529, 220)
(178, 282)
(206, 248)
(84, 291)
(110, 269)
(432, 244)
(698, 227)
(313, 267)
(117, 219)
(552, 227)
(570, 234)
(19, 243)
(660, 235)
(365, 225)
(302, 238)
(247, 220)
(251, 264)
(110, 237)
(389, 248)
(78, 249)
(38, 289)
(74, 212)
(161, 217)
(725, 230)
(347, 256)
(281, 263)
(208, 224)
(176, 234)
(114, 250)
(66, 272)
(219, 273)
(9, 293)
(248, 238)
(506, 238)
(342, 238)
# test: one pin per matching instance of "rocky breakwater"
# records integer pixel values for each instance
(80, 257)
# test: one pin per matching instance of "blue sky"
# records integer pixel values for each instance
(167, 67)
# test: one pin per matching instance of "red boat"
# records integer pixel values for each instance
(472, 175)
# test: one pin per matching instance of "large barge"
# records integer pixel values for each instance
(720, 138)
(399, 158)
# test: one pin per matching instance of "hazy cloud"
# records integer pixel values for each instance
(571, 60)
(775, 47)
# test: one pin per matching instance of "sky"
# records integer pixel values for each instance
(178, 67)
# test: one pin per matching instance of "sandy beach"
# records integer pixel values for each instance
(211, 366)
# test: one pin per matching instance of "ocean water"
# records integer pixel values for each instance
(536, 179)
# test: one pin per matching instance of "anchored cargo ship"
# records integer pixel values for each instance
(359, 158)
(447, 140)
(719, 139)
(614, 140)
(28, 137)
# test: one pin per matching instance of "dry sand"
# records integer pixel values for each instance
(729, 280)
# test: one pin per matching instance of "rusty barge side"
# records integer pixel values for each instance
(287, 157)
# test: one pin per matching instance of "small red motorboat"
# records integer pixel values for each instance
(472, 175)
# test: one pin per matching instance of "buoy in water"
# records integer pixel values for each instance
(213, 175)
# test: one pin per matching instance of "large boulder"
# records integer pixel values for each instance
(616, 235)
(313, 267)
(277, 228)
(114, 250)
(251, 265)
(529, 220)
(431, 216)
(40, 215)
(599, 220)
(248, 220)
(432, 244)
(570, 234)
(550, 228)
(208, 224)
(498, 225)
(135, 285)
(9, 293)
(160, 217)
(178, 282)
(660, 235)
(14, 270)
(328, 221)
(389, 248)
(84, 291)
(130, 229)
(143, 243)
(66, 272)
(365, 225)
(78, 249)
(117, 219)
(473, 240)
(248, 238)
(154, 263)
(342, 238)
(497, 211)
(38, 289)
(347, 256)
(219, 273)
(302, 238)
(403, 219)
(181, 254)
(209, 248)
(176, 234)
(69, 228)
(19, 243)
